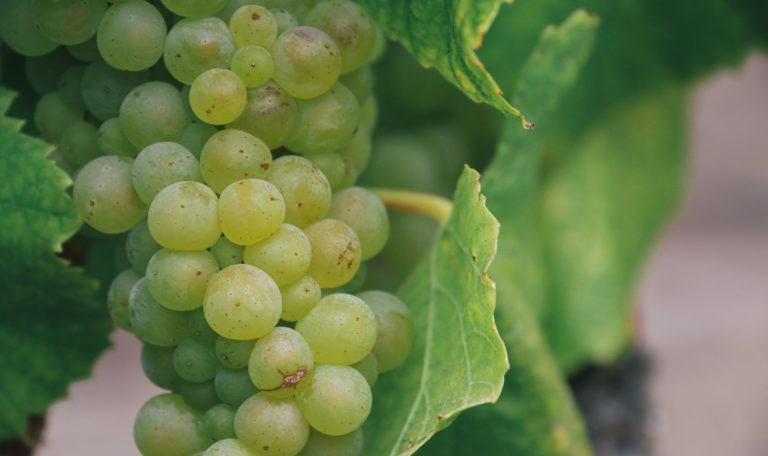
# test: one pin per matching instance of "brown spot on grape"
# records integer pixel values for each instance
(264, 166)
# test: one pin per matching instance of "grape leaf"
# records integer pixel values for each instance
(458, 359)
(51, 327)
(445, 34)
(535, 414)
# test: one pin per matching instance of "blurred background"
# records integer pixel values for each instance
(704, 302)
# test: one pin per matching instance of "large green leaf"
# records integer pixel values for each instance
(51, 327)
(458, 359)
(536, 414)
(445, 34)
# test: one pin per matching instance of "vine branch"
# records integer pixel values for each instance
(426, 204)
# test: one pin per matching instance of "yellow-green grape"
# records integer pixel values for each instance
(78, 143)
(299, 298)
(270, 114)
(68, 21)
(305, 189)
(234, 354)
(279, 362)
(104, 196)
(177, 280)
(52, 116)
(195, 136)
(395, 328)
(365, 213)
(242, 303)
(253, 25)
(341, 329)
(160, 165)
(184, 216)
(112, 141)
(219, 424)
(228, 447)
(336, 253)
(332, 165)
(253, 64)
(369, 367)
(153, 112)
(194, 46)
(320, 444)
(227, 253)
(350, 26)
(117, 298)
(285, 255)
(307, 62)
(131, 35)
(166, 426)
(250, 211)
(19, 31)
(231, 155)
(336, 400)
(194, 8)
(284, 19)
(217, 96)
(359, 82)
(276, 424)
(326, 123)
(153, 323)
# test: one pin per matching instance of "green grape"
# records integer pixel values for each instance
(369, 367)
(104, 88)
(356, 154)
(194, 46)
(196, 135)
(18, 29)
(233, 386)
(242, 302)
(307, 62)
(253, 25)
(332, 165)
(131, 35)
(359, 82)
(232, 155)
(351, 28)
(305, 189)
(335, 401)
(270, 114)
(52, 116)
(153, 323)
(280, 362)
(160, 165)
(299, 298)
(43, 73)
(226, 253)
(379, 46)
(199, 396)
(78, 143)
(226, 13)
(284, 19)
(200, 330)
(139, 247)
(250, 211)
(87, 51)
(183, 216)
(285, 255)
(153, 112)
(194, 361)
(365, 213)
(112, 141)
(369, 113)
(68, 21)
(336, 253)
(395, 328)
(320, 444)
(166, 426)
(157, 363)
(228, 447)
(253, 64)
(177, 280)
(117, 298)
(234, 354)
(69, 87)
(104, 196)
(276, 424)
(326, 123)
(341, 329)
(298, 8)
(217, 96)
(219, 424)
(194, 8)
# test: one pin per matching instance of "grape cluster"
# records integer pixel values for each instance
(226, 146)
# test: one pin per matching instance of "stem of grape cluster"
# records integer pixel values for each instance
(433, 206)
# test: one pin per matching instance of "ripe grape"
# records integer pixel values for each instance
(153, 112)
(320, 444)
(332, 165)
(270, 114)
(183, 216)
(365, 213)
(250, 211)
(253, 25)
(166, 426)
(305, 189)
(217, 96)
(68, 21)
(299, 298)
(253, 65)
(154, 323)
(395, 332)
(160, 165)
(228, 447)
(280, 362)
(351, 28)
(336, 253)
(177, 280)
(285, 255)
(284, 19)
(307, 62)
(194, 46)
(336, 400)
(232, 155)
(273, 425)
(131, 36)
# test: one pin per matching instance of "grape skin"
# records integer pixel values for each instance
(183, 216)
(166, 426)
(336, 400)
(274, 425)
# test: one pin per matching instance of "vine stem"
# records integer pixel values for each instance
(433, 206)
